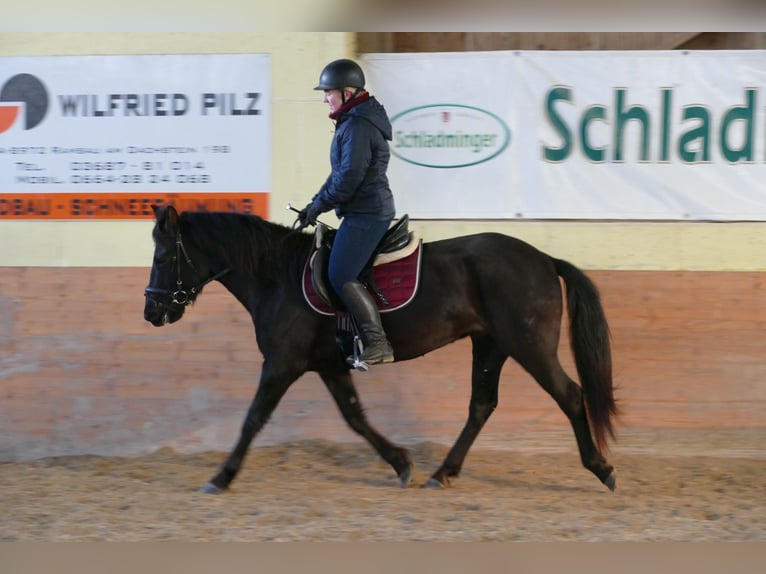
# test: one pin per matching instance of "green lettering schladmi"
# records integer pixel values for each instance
(422, 139)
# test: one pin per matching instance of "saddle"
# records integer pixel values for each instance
(391, 275)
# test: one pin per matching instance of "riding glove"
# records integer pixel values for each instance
(308, 215)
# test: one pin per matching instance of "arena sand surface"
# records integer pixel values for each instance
(318, 490)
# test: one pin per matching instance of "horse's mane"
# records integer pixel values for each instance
(255, 247)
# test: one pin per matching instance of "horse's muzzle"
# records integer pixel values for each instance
(159, 314)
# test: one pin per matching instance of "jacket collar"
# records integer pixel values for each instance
(363, 96)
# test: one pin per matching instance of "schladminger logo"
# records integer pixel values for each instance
(23, 98)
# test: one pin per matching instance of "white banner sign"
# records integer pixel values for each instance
(576, 135)
(168, 123)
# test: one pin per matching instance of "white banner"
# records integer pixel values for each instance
(576, 135)
(172, 123)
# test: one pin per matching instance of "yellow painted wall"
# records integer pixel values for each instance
(301, 138)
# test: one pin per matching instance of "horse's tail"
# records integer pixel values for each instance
(590, 340)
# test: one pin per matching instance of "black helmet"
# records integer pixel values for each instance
(339, 74)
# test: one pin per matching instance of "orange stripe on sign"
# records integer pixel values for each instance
(124, 205)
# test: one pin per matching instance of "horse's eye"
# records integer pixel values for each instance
(164, 259)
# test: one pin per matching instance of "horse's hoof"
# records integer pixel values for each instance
(405, 477)
(611, 481)
(211, 488)
(433, 483)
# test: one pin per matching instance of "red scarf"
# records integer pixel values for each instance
(363, 96)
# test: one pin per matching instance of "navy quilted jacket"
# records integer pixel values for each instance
(359, 154)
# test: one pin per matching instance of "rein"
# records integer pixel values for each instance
(180, 296)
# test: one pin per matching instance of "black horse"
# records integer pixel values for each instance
(500, 291)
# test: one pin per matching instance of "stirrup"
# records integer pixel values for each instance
(355, 360)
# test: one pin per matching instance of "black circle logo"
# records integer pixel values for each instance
(27, 89)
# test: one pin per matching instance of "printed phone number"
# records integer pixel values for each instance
(159, 172)
(130, 178)
(142, 165)
(126, 178)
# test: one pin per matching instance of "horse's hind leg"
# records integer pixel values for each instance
(341, 386)
(569, 396)
(488, 361)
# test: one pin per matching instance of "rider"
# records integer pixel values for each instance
(357, 189)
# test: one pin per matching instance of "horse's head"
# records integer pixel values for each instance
(174, 281)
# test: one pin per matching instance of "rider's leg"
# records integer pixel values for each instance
(361, 305)
(352, 248)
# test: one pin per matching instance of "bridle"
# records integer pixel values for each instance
(181, 296)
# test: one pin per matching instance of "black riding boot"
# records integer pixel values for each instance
(362, 307)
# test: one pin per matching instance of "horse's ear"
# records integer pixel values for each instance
(167, 217)
(172, 216)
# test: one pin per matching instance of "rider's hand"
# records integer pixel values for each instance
(307, 216)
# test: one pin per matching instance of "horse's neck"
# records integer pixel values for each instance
(263, 256)
(243, 290)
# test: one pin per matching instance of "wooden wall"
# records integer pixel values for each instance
(369, 42)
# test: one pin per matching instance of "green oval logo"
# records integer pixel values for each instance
(446, 136)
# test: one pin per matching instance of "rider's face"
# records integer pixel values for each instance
(334, 99)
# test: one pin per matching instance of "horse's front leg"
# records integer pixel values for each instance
(271, 388)
(341, 386)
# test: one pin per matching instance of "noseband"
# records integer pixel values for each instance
(181, 296)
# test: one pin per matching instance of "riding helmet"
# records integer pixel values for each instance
(339, 74)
